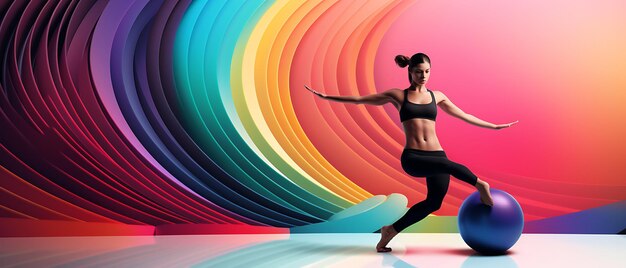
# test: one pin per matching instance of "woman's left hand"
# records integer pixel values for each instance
(501, 126)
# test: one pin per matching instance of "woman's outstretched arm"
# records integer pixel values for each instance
(449, 107)
(373, 99)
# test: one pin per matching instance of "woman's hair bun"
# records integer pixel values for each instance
(402, 61)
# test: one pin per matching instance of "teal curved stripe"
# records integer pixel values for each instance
(274, 181)
(365, 217)
(238, 30)
(197, 116)
(206, 118)
(264, 148)
(365, 205)
(191, 117)
(220, 148)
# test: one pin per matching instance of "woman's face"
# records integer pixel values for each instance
(420, 73)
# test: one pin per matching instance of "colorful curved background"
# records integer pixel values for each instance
(120, 115)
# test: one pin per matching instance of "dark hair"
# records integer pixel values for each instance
(416, 59)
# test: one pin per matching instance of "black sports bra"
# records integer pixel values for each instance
(410, 110)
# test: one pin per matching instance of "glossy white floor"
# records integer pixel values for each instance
(308, 250)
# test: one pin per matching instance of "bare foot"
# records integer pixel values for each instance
(485, 195)
(386, 234)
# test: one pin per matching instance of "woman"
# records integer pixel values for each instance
(422, 156)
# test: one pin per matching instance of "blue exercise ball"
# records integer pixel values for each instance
(491, 230)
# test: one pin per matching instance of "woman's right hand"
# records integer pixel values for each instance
(321, 95)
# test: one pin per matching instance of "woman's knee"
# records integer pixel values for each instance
(462, 172)
(434, 204)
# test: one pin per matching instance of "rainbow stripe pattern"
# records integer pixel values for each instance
(172, 117)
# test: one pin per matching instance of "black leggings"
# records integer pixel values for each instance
(437, 168)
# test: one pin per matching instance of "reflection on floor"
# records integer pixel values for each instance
(311, 250)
